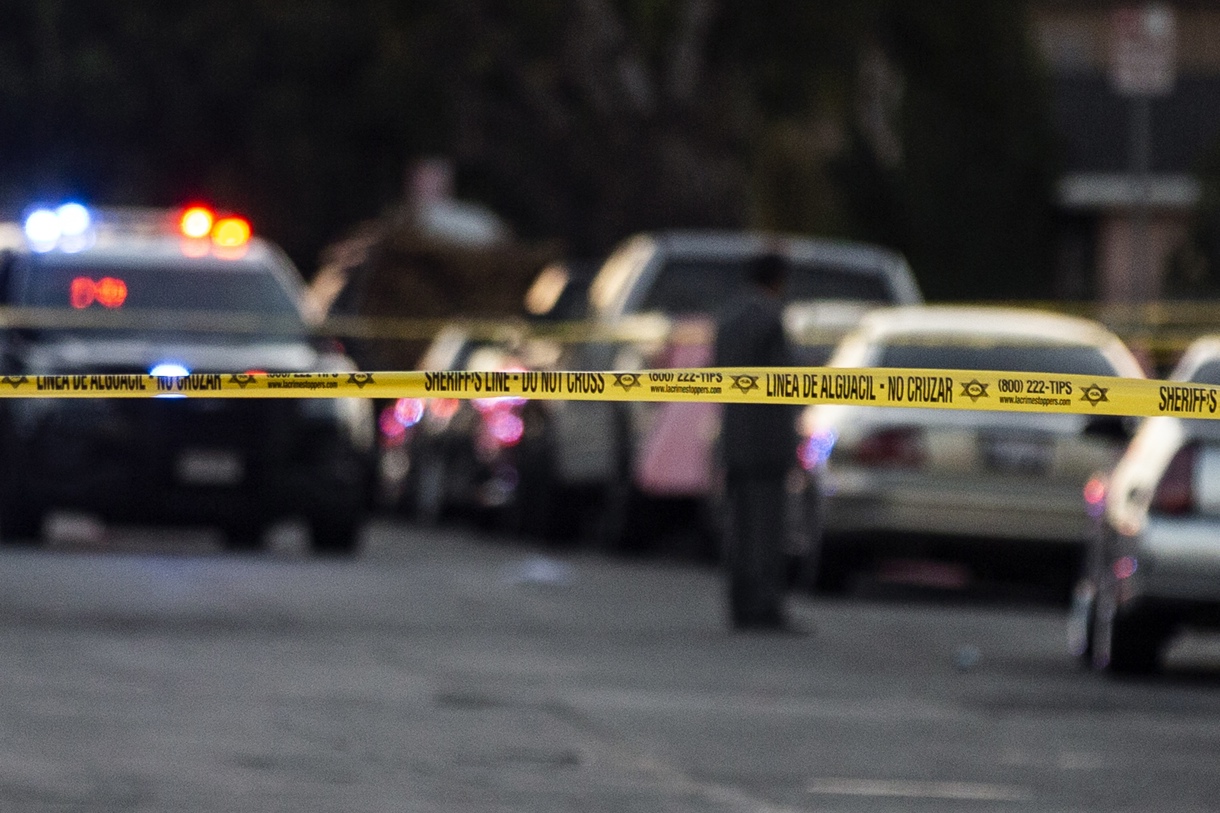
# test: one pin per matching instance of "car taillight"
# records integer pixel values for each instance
(900, 447)
(1175, 492)
(1095, 496)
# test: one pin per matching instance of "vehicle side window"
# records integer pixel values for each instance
(810, 281)
(1208, 373)
(685, 286)
(924, 352)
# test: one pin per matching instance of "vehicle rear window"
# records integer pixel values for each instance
(703, 286)
(202, 288)
(1208, 373)
(1016, 358)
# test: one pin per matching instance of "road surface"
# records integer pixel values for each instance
(447, 671)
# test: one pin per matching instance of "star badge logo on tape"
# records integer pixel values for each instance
(626, 381)
(15, 381)
(241, 379)
(1094, 394)
(360, 379)
(745, 383)
(974, 389)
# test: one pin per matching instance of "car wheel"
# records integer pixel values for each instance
(808, 559)
(1081, 622)
(428, 497)
(21, 525)
(1125, 643)
(536, 510)
(244, 537)
(618, 522)
(827, 571)
(334, 536)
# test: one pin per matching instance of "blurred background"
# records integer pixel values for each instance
(1060, 149)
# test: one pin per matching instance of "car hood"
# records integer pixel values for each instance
(139, 355)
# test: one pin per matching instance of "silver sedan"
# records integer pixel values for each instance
(997, 490)
(1154, 565)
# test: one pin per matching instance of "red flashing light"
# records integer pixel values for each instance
(896, 447)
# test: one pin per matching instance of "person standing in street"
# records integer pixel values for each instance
(757, 443)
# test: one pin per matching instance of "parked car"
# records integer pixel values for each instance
(1154, 563)
(485, 458)
(652, 305)
(996, 490)
(171, 293)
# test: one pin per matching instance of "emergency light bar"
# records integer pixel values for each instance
(70, 227)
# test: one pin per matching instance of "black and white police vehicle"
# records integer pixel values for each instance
(118, 291)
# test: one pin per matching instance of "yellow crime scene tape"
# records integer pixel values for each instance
(1147, 331)
(874, 387)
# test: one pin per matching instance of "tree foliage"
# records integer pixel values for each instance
(580, 120)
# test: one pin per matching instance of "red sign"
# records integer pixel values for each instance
(108, 292)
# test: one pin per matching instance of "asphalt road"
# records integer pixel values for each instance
(444, 671)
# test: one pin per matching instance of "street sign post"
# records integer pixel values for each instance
(1143, 55)
(1143, 64)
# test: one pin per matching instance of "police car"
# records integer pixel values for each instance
(111, 292)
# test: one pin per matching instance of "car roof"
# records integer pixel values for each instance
(975, 321)
(136, 237)
(1200, 351)
(983, 323)
(153, 250)
(747, 243)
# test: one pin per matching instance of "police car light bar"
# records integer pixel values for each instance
(65, 227)
(200, 222)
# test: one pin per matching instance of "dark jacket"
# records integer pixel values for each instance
(755, 438)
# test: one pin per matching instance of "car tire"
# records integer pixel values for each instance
(618, 522)
(334, 536)
(826, 571)
(619, 527)
(21, 525)
(1081, 622)
(536, 509)
(244, 537)
(1125, 643)
(807, 556)
(429, 506)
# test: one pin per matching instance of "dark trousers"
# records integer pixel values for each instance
(754, 548)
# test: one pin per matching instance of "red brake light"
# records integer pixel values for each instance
(895, 448)
(1175, 493)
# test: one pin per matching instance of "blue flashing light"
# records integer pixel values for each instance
(815, 450)
(169, 369)
(74, 219)
(43, 229)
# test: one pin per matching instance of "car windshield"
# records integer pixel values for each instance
(1208, 373)
(203, 287)
(211, 298)
(923, 352)
(704, 285)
